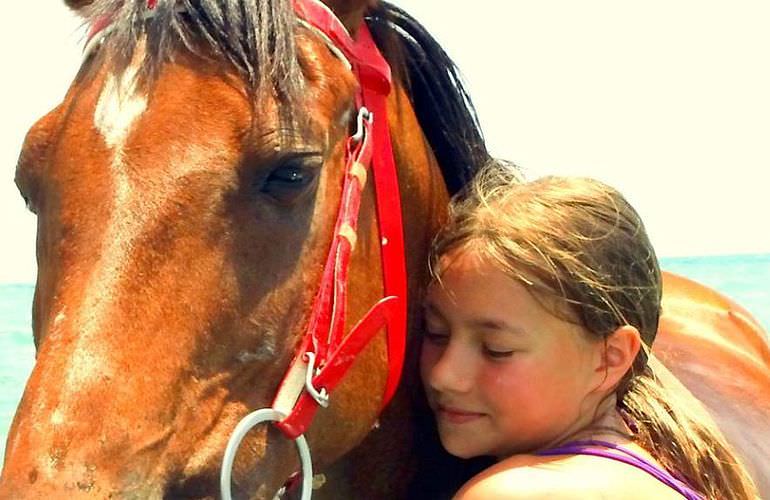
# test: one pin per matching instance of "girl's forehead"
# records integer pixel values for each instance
(475, 281)
(472, 264)
(467, 276)
(466, 258)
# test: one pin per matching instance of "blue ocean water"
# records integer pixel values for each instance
(17, 352)
(744, 278)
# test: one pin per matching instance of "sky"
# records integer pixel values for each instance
(666, 100)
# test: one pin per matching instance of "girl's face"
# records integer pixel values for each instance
(503, 375)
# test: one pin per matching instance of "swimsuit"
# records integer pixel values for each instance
(615, 452)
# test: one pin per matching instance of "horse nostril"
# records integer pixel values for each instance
(32, 475)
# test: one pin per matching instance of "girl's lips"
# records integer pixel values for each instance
(455, 415)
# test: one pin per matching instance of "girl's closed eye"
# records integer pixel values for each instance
(497, 344)
(496, 352)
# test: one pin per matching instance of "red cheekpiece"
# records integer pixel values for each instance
(324, 350)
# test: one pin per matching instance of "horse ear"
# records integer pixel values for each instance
(350, 12)
(78, 5)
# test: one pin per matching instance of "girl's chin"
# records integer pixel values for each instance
(461, 446)
(462, 452)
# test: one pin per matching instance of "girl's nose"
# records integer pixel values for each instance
(451, 369)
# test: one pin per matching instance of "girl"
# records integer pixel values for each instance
(539, 324)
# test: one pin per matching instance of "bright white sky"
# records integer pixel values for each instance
(666, 100)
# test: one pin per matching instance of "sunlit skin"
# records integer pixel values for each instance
(503, 374)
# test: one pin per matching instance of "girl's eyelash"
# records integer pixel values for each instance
(497, 354)
(439, 338)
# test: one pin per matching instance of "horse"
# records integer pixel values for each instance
(186, 191)
(721, 355)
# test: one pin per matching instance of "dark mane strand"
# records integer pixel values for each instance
(256, 37)
(435, 87)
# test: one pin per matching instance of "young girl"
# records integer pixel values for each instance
(538, 327)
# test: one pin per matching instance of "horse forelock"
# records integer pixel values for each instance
(257, 38)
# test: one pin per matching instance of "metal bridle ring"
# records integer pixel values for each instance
(244, 426)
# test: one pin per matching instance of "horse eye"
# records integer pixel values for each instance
(291, 178)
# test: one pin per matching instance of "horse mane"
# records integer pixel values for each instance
(435, 87)
(257, 38)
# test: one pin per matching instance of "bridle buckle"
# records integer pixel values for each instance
(363, 115)
(321, 395)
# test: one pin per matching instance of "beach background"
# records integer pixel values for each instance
(667, 101)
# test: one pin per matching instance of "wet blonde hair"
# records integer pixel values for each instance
(578, 243)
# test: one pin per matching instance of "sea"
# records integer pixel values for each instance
(744, 278)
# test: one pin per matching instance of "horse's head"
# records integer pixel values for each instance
(186, 191)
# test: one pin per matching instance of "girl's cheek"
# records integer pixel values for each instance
(507, 378)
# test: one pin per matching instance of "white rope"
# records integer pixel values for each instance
(244, 426)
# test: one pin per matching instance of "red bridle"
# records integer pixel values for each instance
(325, 353)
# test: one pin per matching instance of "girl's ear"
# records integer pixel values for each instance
(617, 355)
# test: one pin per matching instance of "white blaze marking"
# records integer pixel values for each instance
(118, 107)
(117, 110)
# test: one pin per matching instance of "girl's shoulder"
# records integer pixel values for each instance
(563, 477)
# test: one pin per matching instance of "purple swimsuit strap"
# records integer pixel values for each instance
(603, 449)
